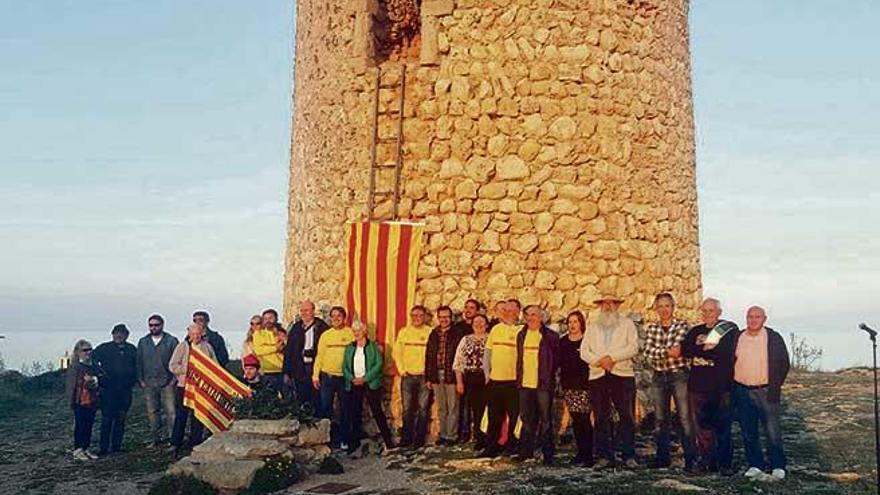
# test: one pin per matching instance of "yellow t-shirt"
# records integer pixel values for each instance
(271, 360)
(502, 344)
(409, 349)
(530, 358)
(331, 351)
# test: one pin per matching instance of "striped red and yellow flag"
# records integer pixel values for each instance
(209, 391)
(380, 277)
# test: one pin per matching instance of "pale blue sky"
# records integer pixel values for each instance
(143, 157)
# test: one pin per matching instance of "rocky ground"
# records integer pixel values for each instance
(827, 422)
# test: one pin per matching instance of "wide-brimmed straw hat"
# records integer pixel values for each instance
(608, 298)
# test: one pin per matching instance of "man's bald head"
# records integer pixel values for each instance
(307, 311)
(755, 319)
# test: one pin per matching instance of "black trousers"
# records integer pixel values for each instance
(114, 409)
(83, 421)
(184, 414)
(536, 412)
(620, 393)
(583, 435)
(354, 402)
(503, 398)
(476, 396)
(712, 420)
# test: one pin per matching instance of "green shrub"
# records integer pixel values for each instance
(181, 485)
(330, 465)
(265, 404)
(278, 473)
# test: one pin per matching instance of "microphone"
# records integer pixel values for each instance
(871, 331)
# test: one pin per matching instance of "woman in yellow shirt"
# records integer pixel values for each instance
(327, 375)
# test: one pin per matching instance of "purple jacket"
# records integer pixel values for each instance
(548, 353)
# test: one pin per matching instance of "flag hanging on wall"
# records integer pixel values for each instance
(209, 391)
(380, 276)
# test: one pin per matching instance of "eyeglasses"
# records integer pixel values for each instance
(199, 320)
(86, 350)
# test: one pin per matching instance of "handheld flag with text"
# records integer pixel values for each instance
(210, 390)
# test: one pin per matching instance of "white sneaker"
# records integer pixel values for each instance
(778, 474)
(90, 455)
(753, 472)
(80, 455)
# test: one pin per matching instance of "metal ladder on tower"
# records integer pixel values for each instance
(390, 191)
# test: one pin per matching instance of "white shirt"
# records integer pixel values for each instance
(360, 362)
(156, 339)
(309, 343)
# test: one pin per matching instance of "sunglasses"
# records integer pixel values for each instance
(255, 323)
(155, 325)
(86, 350)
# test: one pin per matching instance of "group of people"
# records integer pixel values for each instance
(103, 379)
(506, 372)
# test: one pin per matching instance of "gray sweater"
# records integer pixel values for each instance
(152, 360)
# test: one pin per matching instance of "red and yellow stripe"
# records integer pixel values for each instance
(209, 391)
(380, 278)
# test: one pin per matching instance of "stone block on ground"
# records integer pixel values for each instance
(317, 434)
(241, 446)
(228, 475)
(276, 427)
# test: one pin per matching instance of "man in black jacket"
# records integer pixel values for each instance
(202, 318)
(537, 351)
(439, 376)
(710, 347)
(118, 360)
(299, 353)
(759, 372)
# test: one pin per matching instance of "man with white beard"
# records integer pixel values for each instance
(608, 346)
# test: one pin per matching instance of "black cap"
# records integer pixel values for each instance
(120, 328)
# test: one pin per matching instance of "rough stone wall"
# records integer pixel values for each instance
(549, 149)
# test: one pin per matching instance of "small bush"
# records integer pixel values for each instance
(330, 465)
(266, 404)
(278, 473)
(181, 485)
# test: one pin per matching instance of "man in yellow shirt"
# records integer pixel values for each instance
(269, 348)
(409, 357)
(327, 374)
(537, 348)
(503, 397)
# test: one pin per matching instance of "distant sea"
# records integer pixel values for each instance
(21, 348)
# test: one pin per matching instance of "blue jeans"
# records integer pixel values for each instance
(83, 421)
(668, 385)
(536, 413)
(753, 408)
(333, 386)
(416, 400)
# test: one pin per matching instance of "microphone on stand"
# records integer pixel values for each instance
(873, 335)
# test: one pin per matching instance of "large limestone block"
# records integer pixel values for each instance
(511, 167)
(275, 427)
(241, 446)
(316, 434)
(225, 475)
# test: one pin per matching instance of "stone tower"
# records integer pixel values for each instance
(548, 146)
